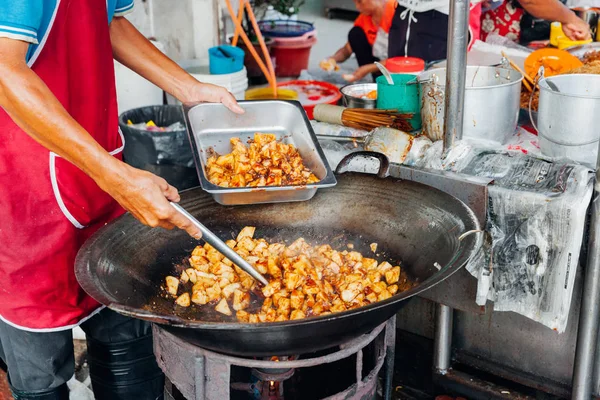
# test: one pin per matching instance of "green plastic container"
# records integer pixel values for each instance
(400, 96)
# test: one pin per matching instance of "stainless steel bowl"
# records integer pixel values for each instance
(352, 93)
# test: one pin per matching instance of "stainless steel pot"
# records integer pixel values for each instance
(352, 93)
(492, 97)
(568, 120)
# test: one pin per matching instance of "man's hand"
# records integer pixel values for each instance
(134, 51)
(577, 29)
(146, 197)
(212, 94)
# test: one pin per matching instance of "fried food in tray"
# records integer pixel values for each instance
(304, 280)
(264, 162)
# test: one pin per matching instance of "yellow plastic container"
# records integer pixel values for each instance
(267, 94)
(555, 33)
(560, 40)
(564, 42)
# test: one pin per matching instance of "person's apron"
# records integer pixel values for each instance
(48, 207)
(420, 30)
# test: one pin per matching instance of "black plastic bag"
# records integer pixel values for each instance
(166, 154)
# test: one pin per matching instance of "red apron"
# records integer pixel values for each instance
(48, 207)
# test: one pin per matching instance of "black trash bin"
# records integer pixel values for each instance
(166, 154)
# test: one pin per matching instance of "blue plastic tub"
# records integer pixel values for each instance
(225, 59)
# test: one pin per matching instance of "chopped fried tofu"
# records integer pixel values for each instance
(384, 295)
(352, 291)
(246, 232)
(241, 300)
(373, 247)
(183, 300)
(228, 290)
(264, 162)
(392, 276)
(214, 292)
(223, 307)
(191, 273)
(184, 278)
(297, 299)
(297, 314)
(242, 316)
(172, 285)
(199, 297)
(304, 280)
(384, 267)
(271, 288)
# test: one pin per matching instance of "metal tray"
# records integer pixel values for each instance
(582, 50)
(211, 126)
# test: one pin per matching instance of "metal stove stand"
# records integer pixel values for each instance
(201, 374)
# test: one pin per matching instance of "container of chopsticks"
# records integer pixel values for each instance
(364, 119)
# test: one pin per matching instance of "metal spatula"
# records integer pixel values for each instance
(218, 244)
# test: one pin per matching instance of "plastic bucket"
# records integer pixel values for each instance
(285, 28)
(292, 54)
(568, 120)
(225, 59)
(255, 74)
(400, 96)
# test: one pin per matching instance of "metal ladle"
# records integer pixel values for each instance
(212, 239)
(385, 73)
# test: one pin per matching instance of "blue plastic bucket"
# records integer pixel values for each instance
(225, 59)
(285, 28)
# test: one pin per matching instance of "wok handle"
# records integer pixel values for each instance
(384, 162)
(212, 239)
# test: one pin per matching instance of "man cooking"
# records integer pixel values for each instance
(62, 178)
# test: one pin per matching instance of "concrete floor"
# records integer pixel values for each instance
(331, 33)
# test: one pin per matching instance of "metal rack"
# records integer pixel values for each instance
(589, 317)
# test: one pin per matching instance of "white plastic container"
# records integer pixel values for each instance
(236, 83)
(569, 120)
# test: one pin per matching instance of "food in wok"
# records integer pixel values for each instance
(304, 280)
(264, 162)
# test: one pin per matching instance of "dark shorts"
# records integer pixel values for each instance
(428, 36)
(43, 362)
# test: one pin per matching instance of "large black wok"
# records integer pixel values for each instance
(123, 265)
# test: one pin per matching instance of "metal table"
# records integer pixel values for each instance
(583, 374)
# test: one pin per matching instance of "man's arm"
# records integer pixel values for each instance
(553, 10)
(29, 102)
(136, 52)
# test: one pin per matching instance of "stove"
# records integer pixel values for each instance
(194, 373)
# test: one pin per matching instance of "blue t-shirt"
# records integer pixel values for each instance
(29, 20)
